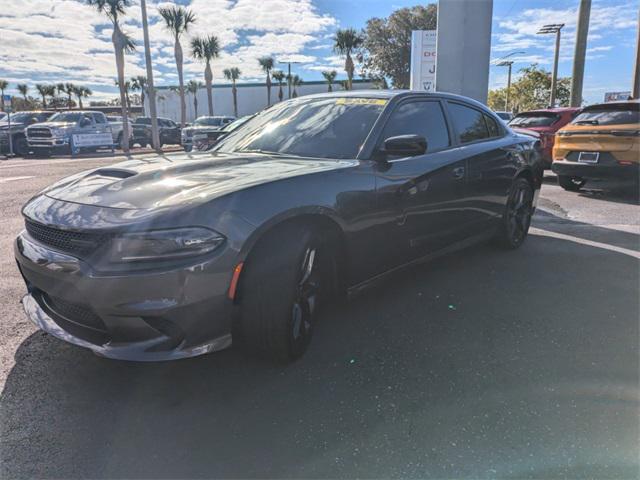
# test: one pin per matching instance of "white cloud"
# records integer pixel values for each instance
(66, 40)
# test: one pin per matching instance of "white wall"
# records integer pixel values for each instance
(251, 98)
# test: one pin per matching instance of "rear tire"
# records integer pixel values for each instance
(282, 287)
(571, 184)
(517, 215)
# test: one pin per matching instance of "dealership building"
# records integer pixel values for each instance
(252, 97)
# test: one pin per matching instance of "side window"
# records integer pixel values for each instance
(99, 118)
(419, 118)
(469, 123)
(492, 126)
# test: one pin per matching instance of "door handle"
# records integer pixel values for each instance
(458, 173)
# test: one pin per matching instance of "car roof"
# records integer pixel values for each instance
(634, 101)
(393, 94)
(550, 110)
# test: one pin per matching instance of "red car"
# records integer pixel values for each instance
(545, 122)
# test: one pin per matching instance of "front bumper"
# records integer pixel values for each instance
(142, 316)
(48, 142)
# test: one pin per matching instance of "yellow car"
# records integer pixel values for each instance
(602, 142)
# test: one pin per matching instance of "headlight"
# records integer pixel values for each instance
(164, 244)
(58, 132)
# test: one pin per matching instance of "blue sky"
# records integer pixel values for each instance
(65, 40)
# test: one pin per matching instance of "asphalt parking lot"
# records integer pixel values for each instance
(483, 364)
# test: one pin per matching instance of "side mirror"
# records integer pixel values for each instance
(33, 120)
(405, 145)
(85, 122)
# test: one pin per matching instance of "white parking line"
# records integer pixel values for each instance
(571, 238)
(11, 179)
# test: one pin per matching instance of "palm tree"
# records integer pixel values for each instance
(113, 10)
(23, 88)
(139, 83)
(42, 90)
(345, 42)
(82, 92)
(3, 85)
(192, 87)
(206, 48)
(330, 77)
(127, 88)
(177, 21)
(279, 77)
(296, 81)
(233, 74)
(51, 91)
(266, 63)
(60, 90)
(69, 89)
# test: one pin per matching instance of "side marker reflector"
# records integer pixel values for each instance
(234, 280)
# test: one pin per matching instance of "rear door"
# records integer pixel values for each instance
(423, 194)
(491, 163)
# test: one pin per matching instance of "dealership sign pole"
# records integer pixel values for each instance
(423, 60)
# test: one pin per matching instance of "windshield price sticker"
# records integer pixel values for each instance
(361, 101)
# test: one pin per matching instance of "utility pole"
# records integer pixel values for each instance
(151, 94)
(553, 28)
(582, 30)
(507, 63)
(635, 86)
(503, 62)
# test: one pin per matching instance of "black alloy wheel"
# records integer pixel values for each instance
(517, 216)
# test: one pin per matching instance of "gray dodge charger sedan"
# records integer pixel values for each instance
(312, 199)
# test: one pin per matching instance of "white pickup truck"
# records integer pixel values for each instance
(68, 132)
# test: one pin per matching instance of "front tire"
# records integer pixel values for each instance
(517, 215)
(571, 184)
(282, 288)
(20, 146)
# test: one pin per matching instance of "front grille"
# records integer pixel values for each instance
(39, 133)
(77, 313)
(79, 243)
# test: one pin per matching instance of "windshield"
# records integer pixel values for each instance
(323, 127)
(66, 117)
(537, 119)
(211, 121)
(615, 114)
(22, 117)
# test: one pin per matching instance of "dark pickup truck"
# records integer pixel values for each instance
(17, 132)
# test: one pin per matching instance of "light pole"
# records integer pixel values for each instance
(553, 28)
(155, 137)
(288, 75)
(635, 84)
(503, 62)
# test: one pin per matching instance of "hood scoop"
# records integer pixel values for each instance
(112, 173)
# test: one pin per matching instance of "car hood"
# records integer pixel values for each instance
(198, 128)
(178, 180)
(53, 125)
(5, 126)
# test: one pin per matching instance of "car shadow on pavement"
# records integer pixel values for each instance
(609, 191)
(482, 364)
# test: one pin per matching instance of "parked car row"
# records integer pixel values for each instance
(44, 133)
(596, 142)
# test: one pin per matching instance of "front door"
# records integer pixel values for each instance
(424, 194)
